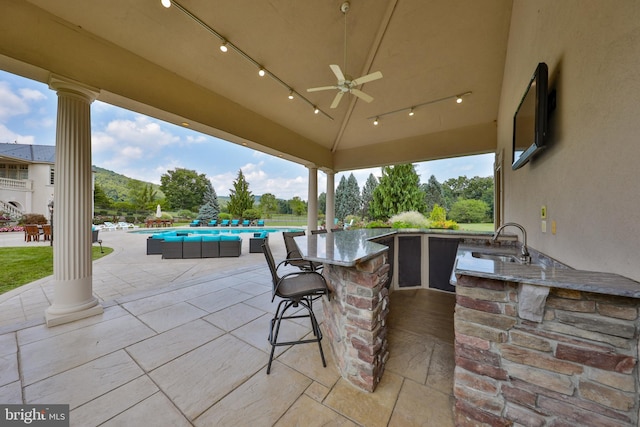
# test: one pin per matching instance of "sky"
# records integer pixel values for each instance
(144, 148)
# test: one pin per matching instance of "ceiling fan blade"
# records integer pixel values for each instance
(337, 99)
(317, 89)
(360, 94)
(368, 78)
(338, 72)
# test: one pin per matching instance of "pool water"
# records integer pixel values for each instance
(223, 230)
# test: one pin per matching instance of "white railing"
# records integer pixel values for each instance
(16, 184)
(10, 210)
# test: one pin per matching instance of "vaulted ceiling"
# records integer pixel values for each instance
(166, 63)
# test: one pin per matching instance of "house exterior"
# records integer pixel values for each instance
(26, 178)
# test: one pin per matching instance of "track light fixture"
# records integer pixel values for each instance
(412, 109)
(226, 45)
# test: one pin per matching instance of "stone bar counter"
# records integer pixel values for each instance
(356, 271)
(544, 344)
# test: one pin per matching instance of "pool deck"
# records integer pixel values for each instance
(184, 343)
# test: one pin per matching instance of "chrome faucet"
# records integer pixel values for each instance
(525, 258)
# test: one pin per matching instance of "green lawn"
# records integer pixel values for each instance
(22, 265)
(478, 227)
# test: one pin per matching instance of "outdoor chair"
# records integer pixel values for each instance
(294, 257)
(31, 233)
(195, 223)
(213, 223)
(224, 223)
(256, 242)
(235, 222)
(300, 288)
(46, 231)
(246, 223)
(261, 223)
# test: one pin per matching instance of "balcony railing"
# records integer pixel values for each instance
(16, 184)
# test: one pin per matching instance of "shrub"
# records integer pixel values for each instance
(447, 225)
(251, 214)
(224, 215)
(410, 219)
(377, 224)
(32, 218)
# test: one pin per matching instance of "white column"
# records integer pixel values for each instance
(312, 199)
(72, 265)
(331, 197)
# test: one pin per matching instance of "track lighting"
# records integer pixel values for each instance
(411, 109)
(226, 45)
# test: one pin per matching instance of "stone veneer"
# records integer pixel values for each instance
(355, 319)
(576, 367)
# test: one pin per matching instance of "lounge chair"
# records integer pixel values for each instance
(261, 223)
(195, 223)
(246, 223)
(213, 223)
(126, 225)
(109, 226)
(224, 223)
(235, 222)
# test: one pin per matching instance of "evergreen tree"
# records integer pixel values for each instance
(433, 193)
(322, 203)
(210, 207)
(347, 197)
(240, 198)
(100, 199)
(399, 191)
(367, 194)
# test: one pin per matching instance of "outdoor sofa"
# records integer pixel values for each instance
(174, 246)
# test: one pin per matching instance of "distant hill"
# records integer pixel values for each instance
(115, 185)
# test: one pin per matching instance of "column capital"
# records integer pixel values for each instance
(63, 84)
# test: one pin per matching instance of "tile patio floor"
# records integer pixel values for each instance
(184, 342)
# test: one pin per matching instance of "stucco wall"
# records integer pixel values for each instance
(588, 178)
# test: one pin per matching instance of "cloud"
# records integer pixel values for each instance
(32, 94)
(12, 104)
(7, 135)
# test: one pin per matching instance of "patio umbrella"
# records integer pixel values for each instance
(158, 211)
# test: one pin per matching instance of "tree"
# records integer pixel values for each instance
(100, 199)
(184, 188)
(322, 203)
(240, 198)
(268, 204)
(433, 193)
(367, 193)
(347, 197)
(210, 208)
(399, 191)
(463, 188)
(141, 195)
(298, 206)
(469, 211)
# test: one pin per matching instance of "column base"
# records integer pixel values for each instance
(53, 319)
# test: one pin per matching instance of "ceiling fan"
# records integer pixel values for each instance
(345, 83)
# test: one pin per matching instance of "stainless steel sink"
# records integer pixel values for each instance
(496, 257)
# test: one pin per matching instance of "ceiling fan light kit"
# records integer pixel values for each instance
(346, 84)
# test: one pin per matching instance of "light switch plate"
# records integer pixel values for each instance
(544, 226)
(543, 212)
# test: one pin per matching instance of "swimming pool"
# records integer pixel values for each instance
(223, 230)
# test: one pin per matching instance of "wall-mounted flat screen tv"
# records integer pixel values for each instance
(530, 122)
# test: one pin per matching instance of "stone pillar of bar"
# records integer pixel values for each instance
(72, 262)
(355, 320)
(312, 199)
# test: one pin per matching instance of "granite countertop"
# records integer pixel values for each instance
(349, 247)
(541, 273)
